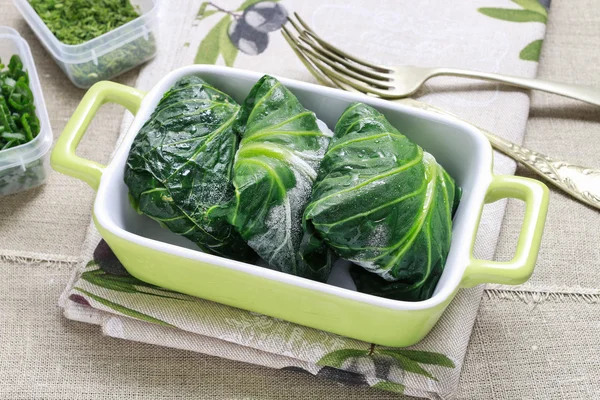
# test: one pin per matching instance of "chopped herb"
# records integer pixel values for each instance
(114, 62)
(18, 121)
(78, 21)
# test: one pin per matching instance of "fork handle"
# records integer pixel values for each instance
(581, 182)
(584, 93)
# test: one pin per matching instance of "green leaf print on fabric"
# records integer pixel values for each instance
(532, 51)
(533, 11)
(336, 358)
(407, 364)
(123, 310)
(506, 14)
(390, 386)
(228, 50)
(379, 361)
(205, 14)
(202, 10)
(209, 49)
(125, 284)
(426, 357)
(532, 5)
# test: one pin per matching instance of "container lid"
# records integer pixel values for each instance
(12, 43)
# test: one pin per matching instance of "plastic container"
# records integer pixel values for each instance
(25, 166)
(106, 56)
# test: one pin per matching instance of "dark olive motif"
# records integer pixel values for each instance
(76, 298)
(265, 16)
(108, 262)
(246, 38)
(249, 32)
(345, 377)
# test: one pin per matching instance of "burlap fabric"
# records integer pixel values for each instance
(535, 342)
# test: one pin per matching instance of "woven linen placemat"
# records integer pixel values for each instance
(429, 369)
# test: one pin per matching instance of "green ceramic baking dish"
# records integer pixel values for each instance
(157, 256)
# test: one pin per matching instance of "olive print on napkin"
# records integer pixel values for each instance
(532, 11)
(106, 285)
(245, 29)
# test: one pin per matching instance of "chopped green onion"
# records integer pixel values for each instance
(18, 121)
(26, 127)
(12, 136)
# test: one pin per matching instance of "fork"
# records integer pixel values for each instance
(402, 81)
(583, 183)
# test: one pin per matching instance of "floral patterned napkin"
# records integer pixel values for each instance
(491, 35)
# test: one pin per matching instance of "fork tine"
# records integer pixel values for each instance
(327, 70)
(321, 78)
(295, 25)
(343, 86)
(334, 49)
(351, 66)
(346, 71)
(343, 83)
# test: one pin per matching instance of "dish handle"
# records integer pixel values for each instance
(63, 158)
(516, 271)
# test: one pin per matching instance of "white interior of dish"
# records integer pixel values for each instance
(459, 147)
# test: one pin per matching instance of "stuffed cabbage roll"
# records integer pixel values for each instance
(383, 203)
(276, 165)
(180, 166)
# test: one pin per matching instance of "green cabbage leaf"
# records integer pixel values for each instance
(180, 166)
(275, 168)
(383, 203)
